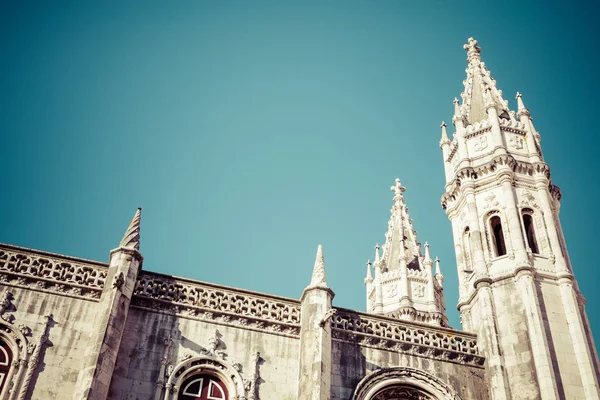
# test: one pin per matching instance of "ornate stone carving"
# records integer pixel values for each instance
(404, 383)
(330, 313)
(6, 307)
(516, 142)
(388, 333)
(402, 393)
(119, 281)
(480, 143)
(197, 300)
(51, 273)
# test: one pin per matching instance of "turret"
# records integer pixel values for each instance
(404, 286)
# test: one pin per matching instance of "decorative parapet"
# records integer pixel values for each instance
(390, 334)
(217, 304)
(51, 273)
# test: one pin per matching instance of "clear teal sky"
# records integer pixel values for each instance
(252, 131)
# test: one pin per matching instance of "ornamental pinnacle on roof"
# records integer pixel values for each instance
(318, 276)
(131, 239)
(403, 284)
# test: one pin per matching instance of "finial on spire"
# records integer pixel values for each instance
(398, 189)
(521, 109)
(131, 239)
(438, 271)
(445, 138)
(318, 275)
(427, 254)
(472, 49)
(377, 253)
(369, 277)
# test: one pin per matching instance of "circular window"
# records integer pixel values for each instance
(203, 387)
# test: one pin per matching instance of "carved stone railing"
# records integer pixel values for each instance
(217, 304)
(52, 273)
(370, 330)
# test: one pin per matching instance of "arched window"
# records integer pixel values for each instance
(530, 232)
(203, 387)
(498, 236)
(5, 363)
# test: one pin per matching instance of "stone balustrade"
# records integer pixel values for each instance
(54, 273)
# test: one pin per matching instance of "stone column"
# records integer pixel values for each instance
(583, 353)
(513, 219)
(541, 185)
(96, 372)
(488, 334)
(476, 241)
(537, 334)
(314, 382)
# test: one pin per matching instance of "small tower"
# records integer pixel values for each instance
(404, 285)
(125, 264)
(516, 285)
(314, 382)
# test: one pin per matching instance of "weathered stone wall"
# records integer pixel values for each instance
(143, 347)
(68, 289)
(364, 343)
(187, 313)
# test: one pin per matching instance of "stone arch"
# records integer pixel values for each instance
(419, 381)
(18, 343)
(206, 365)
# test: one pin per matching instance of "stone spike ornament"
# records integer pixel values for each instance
(398, 289)
(318, 276)
(131, 240)
(445, 138)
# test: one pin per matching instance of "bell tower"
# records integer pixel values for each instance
(517, 290)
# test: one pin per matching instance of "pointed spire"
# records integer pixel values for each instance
(131, 240)
(458, 117)
(521, 109)
(377, 254)
(438, 271)
(480, 91)
(427, 259)
(445, 139)
(318, 275)
(369, 277)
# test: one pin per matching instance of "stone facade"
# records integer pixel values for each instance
(79, 329)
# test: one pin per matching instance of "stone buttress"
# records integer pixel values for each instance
(314, 381)
(94, 378)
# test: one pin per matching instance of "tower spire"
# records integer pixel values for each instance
(480, 88)
(131, 239)
(318, 276)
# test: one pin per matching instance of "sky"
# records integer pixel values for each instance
(251, 132)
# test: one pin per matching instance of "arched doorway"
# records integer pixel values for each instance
(402, 392)
(203, 387)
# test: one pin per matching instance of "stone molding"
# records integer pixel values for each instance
(203, 364)
(382, 380)
(217, 304)
(51, 273)
(407, 338)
